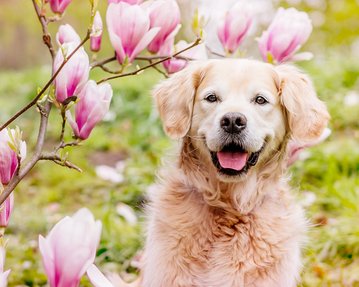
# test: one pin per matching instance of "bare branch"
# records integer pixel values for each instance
(58, 160)
(30, 164)
(160, 71)
(214, 52)
(46, 37)
(139, 70)
(103, 62)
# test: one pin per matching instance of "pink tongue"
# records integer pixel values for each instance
(232, 160)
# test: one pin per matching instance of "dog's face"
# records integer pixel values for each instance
(237, 113)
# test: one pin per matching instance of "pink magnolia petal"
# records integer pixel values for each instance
(96, 35)
(164, 14)
(304, 56)
(59, 6)
(72, 123)
(295, 148)
(70, 248)
(3, 278)
(97, 278)
(146, 39)
(6, 210)
(285, 35)
(47, 259)
(67, 34)
(235, 25)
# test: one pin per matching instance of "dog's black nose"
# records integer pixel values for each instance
(233, 122)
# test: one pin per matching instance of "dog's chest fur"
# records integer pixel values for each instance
(208, 246)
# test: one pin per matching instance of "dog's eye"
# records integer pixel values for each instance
(260, 100)
(211, 98)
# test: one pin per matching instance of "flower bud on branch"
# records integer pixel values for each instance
(235, 26)
(93, 104)
(164, 14)
(59, 6)
(74, 75)
(6, 210)
(289, 30)
(12, 148)
(96, 33)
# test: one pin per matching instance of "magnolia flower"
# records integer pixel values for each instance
(164, 14)
(3, 275)
(70, 248)
(289, 30)
(73, 75)
(131, 2)
(59, 6)
(67, 34)
(9, 155)
(234, 27)
(295, 148)
(94, 103)
(176, 64)
(6, 210)
(96, 35)
(129, 30)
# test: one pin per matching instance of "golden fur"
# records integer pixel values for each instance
(208, 229)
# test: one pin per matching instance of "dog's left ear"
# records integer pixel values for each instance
(307, 115)
(174, 98)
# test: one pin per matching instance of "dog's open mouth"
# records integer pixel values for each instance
(233, 159)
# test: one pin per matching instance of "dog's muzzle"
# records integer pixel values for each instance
(233, 159)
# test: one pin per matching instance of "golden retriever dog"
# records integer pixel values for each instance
(222, 214)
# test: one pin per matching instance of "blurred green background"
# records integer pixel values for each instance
(130, 145)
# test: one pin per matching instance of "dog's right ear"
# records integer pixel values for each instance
(174, 98)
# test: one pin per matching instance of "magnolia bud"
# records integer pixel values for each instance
(289, 30)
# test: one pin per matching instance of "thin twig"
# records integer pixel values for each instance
(58, 160)
(34, 101)
(160, 71)
(137, 71)
(109, 70)
(74, 143)
(214, 52)
(63, 144)
(46, 37)
(102, 62)
(151, 58)
(63, 115)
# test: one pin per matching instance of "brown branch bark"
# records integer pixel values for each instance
(30, 164)
(137, 71)
(58, 160)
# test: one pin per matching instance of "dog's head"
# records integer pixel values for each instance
(239, 113)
